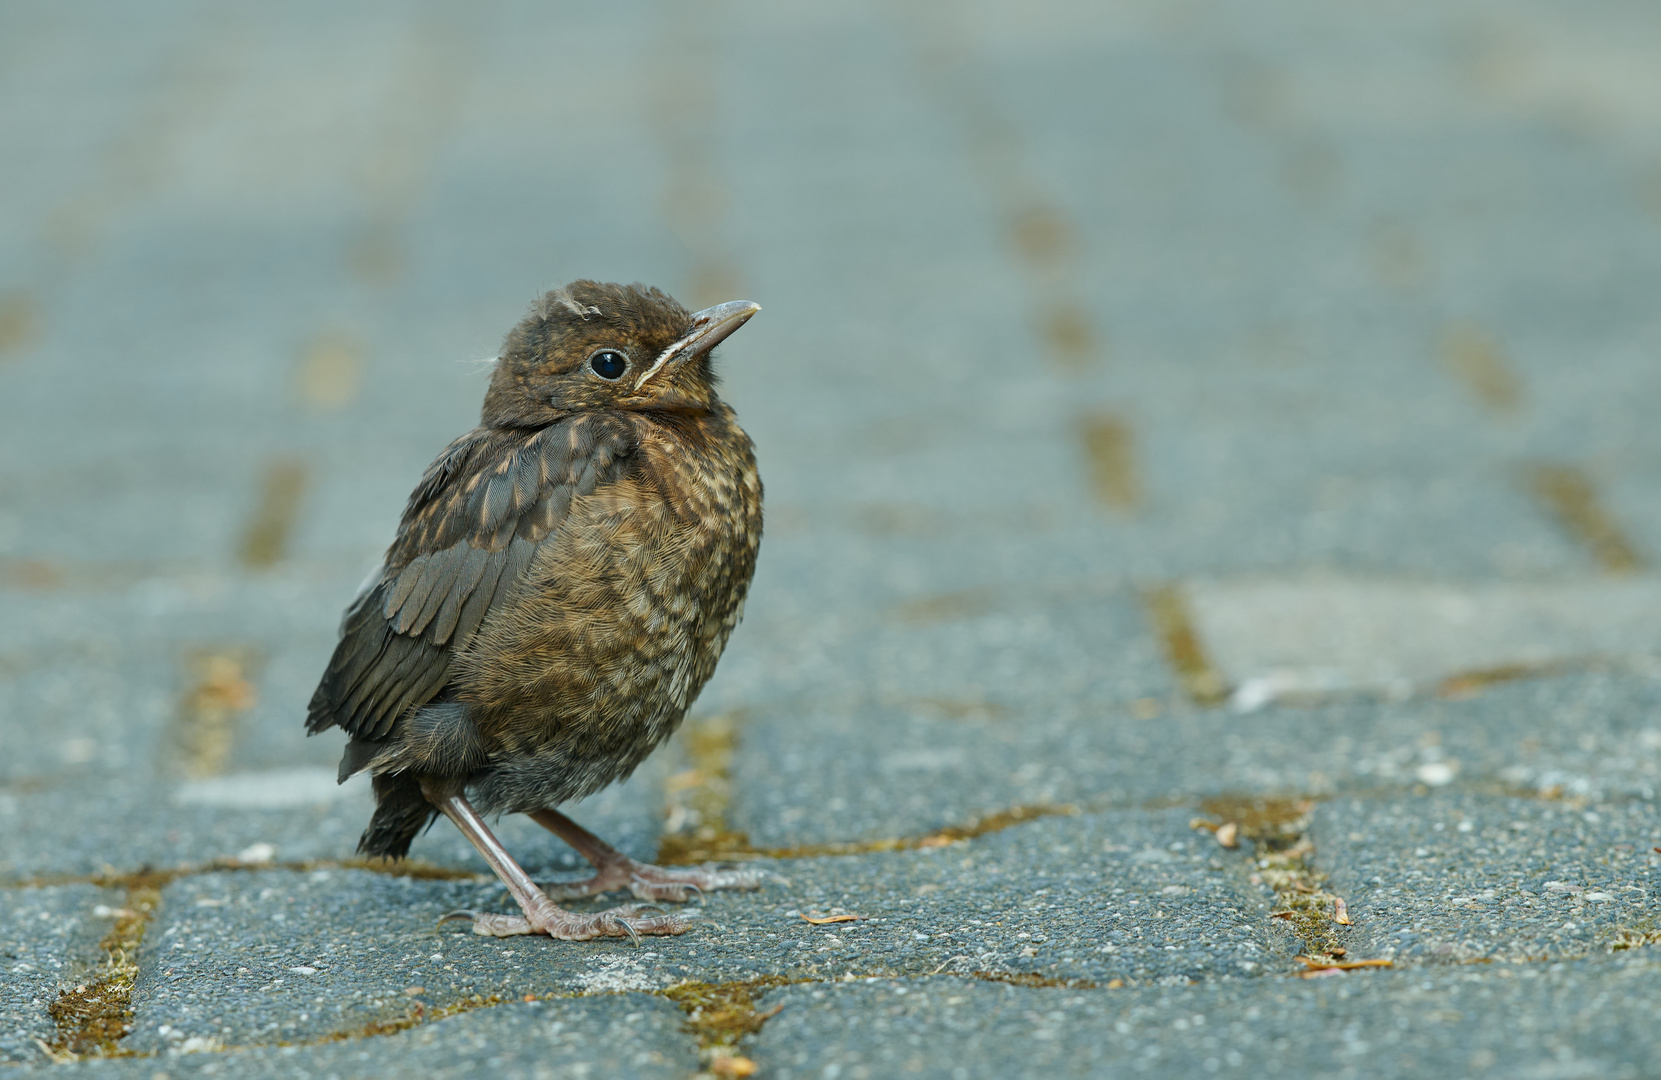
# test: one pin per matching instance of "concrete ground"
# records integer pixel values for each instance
(1207, 622)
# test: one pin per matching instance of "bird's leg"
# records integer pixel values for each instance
(616, 870)
(541, 915)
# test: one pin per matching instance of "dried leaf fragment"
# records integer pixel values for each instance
(1322, 967)
(733, 1065)
(831, 919)
(1340, 913)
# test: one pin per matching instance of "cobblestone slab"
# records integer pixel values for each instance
(1557, 1022)
(48, 941)
(1128, 895)
(623, 1035)
(1457, 878)
(905, 771)
(273, 956)
(264, 956)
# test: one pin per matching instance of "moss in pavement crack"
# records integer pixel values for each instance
(1278, 827)
(718, 1015)
(93, 1017)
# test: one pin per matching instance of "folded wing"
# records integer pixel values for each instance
(470, 531)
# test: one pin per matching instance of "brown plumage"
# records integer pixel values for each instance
(563, 581)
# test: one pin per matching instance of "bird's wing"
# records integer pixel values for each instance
(468, 535)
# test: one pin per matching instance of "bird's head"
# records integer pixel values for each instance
(593, 345)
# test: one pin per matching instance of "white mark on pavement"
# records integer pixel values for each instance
(274, 789)
(1280, 638)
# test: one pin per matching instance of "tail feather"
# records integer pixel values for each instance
(401, 814)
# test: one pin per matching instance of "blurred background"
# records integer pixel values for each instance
(1064, 303)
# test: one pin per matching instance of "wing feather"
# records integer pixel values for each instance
(469, 534)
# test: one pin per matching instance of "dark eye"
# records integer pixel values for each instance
(609, 364)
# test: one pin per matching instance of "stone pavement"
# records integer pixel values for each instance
(1213, 494)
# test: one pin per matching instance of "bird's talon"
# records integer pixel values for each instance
(634, 935)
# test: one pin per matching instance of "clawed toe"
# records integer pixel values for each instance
(628, 921)
(676, 892)
(674, 884)
(460, 913)
(487, 924)
(679, 885)
(631, 921)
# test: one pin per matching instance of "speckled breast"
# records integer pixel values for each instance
(621, 618)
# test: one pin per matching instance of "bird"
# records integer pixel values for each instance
(563, 580)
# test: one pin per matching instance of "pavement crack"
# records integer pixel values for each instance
(1643, 934)
(1110, 449)
(204, 728)
(1168, 610)
(1035, 981)
(270, 527)
(403, 868)
(697, 829)
(1475, 357)
(1571, 497)
(698, 797)
(1468, 684)
(93, 1017)
(416, 1017)
(1279, 829)
(719, 1015)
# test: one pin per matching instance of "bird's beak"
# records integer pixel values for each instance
(710, 327)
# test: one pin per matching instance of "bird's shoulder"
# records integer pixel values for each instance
(485, 506)
(494, 485)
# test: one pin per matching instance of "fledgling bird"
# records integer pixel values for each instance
(562, 583)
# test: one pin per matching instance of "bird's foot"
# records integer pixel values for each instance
(650, 882)
(631, 921)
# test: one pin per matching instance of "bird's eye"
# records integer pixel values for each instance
(609, 364)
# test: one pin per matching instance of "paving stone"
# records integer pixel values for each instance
(621, 1035)
(272, 955)
(825, 771)
(48, 942)
(1456, 878)
(983, 651)
(1127, 895)
(1583, 1019)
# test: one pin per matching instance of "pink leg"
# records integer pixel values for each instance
(617, 871)
(541, 915)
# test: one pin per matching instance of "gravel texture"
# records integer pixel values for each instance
(1590, 1018)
